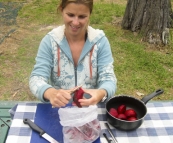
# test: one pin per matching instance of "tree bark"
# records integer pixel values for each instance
(151, 18)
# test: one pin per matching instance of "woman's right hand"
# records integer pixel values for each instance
(57, 97)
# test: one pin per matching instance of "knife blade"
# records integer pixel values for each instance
(42, 133)
(76, 88)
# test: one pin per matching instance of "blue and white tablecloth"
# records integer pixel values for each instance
(156, 128)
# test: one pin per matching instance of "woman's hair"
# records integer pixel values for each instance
(64, 3)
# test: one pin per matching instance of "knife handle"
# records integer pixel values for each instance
(111, 133)
(34, 126)
(104, 134)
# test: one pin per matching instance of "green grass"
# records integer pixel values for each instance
(138, 65)
(40, 12)
(104, 13)
(138, 69)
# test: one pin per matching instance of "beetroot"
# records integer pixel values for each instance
(122, 116)
(113, 112)
(130, 113)
(121, 109)
(78, 95)
(132, 119)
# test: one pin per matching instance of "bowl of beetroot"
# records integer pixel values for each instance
(126, 112)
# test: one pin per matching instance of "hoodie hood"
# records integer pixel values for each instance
(93, 34)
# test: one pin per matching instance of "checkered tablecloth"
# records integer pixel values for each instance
(156, 128)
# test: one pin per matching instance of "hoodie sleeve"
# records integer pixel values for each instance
(39, 79)
(106, 76)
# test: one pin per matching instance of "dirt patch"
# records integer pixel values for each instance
(12, 88)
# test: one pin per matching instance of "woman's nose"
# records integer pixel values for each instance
(75, 21)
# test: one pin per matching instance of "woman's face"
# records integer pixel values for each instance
(76, 19)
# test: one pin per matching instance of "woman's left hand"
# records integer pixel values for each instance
(96, 96)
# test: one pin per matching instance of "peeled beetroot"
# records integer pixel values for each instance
(121, 112)
(132, 119)
(113, 112)
(121, 109)
(130, 113)
(122, 116)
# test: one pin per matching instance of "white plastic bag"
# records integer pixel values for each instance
(80, 125)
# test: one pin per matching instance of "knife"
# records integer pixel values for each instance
(39, 130)
(73, 90)
(109, 130)
(76, 88)
(109, 141)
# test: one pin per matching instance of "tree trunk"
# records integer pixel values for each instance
(151, 18)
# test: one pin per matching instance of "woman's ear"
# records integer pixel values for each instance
(60, 9)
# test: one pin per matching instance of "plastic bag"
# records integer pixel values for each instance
(80, 125)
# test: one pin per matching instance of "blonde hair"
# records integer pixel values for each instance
(64, 3)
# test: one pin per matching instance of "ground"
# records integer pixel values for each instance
(11, 35)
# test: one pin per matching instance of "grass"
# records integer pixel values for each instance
(139, 67)
(104, 13)
(42, 12)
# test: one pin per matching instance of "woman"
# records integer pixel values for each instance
(71, 55)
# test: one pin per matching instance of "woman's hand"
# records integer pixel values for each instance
(96, 96)
(57, 97)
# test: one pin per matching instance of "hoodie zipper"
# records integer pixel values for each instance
(90, 66)
(75, 71)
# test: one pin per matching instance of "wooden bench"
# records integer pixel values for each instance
(5, 118)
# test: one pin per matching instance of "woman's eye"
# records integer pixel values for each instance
(70, 15)
(82, 16)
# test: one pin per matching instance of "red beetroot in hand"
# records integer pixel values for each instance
(132, 119)
(122, 116)
(78, 95)
(113, 112)
(130, 113)
(121, 109)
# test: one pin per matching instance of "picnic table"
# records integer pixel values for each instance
(157, 126)
(5, 118)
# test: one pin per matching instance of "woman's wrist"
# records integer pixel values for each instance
(103, 95)
(48, 92)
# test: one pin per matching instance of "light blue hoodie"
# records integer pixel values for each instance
(55, 67)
